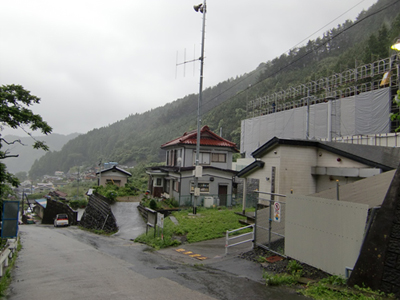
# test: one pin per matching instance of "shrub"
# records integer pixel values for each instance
(171, 202)
(112, 195)
(75, 204)
(294, 268)
(153, 204)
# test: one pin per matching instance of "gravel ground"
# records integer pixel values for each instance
(259, 254)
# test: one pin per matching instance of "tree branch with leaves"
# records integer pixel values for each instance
(15, 112)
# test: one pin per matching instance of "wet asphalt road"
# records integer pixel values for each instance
(68, 263)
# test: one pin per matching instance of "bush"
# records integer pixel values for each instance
(153, 204)
(112, 195)
(171, 202)
(75, 204)
(294, 268)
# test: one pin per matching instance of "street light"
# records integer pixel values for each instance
(396, 45)
(199, 8)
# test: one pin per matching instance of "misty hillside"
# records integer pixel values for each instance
(137, 138)
(28, 155)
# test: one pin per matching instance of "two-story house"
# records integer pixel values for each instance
(176, 178)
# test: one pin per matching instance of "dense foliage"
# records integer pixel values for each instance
(138, 138)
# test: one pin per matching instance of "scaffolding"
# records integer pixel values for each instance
(341, 85)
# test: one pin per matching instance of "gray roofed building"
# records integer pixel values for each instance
(307, 167)
(370, 191)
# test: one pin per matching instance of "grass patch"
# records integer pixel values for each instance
(334, 287)
(207, 224)
(280, 279)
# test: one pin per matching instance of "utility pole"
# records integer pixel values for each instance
(198, 171)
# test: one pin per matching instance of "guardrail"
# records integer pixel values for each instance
(6, 254)
(239, 236)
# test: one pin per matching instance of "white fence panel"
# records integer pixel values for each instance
(326, 234)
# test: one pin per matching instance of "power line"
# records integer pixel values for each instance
(299, 58)
(245, 77)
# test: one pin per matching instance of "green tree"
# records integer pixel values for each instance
(15, 113)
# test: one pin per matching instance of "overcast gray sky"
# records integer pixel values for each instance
(93, 63)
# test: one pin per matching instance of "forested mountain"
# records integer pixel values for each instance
(28, 155)
(137, 138)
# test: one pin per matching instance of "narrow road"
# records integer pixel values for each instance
(68, 263)
(130, 222)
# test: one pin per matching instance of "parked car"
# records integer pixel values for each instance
(61, 220)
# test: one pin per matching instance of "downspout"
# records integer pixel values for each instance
(244, 195)
(180, 186)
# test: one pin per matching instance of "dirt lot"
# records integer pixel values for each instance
(280, 266)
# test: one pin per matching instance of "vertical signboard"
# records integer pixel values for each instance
(160, 220)
(277, 211)
(9, 228)
(160, 223)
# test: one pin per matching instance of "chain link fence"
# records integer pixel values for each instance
(209, 200)
(270, 223)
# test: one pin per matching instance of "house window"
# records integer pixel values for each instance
(176, 186)
(219, 157)
(204, 187)
(158, 182)
(113, 181)
(204, 158)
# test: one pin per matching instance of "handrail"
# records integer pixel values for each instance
(238, 236)
(6, 254)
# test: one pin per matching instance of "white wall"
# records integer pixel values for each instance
(366, 113)
(326, 234)
(294, 170)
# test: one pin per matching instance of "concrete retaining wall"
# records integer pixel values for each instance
(98, 215)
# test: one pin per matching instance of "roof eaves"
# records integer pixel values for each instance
(354, 157)
(258, 164)
(258, 153)
(115, 168)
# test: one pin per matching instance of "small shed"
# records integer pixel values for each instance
(113, 175)
(40, 207)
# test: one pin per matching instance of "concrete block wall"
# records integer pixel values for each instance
(378, 265)
(98, 215)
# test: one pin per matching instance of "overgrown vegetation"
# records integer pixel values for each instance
(155, 204)
(75, 190)
(208, 223)
(5, 280)
(75, 204)
(334, 287)
(294, 272)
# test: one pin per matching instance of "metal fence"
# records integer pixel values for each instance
(270, 223)
(209, 200)
(241, 239)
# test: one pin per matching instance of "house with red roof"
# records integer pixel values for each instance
(176, 178)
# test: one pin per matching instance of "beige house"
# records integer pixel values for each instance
(114, 175)
(304, 167)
